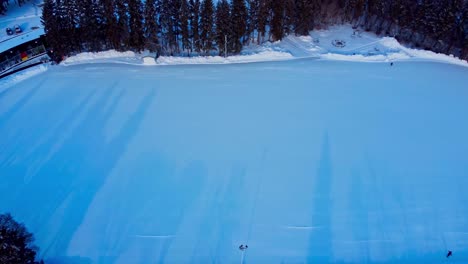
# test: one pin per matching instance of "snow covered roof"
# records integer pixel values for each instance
(27, 17)
(20, 39)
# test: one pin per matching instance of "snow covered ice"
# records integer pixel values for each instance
(305, 161)
(292, 148)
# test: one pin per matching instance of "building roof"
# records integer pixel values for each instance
(20, 39)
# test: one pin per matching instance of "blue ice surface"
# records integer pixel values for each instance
(304, 161)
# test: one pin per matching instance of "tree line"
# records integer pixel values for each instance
(184, 27)
(5, 3)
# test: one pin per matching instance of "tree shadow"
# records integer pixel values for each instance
(15, 108)
(183, 193)
(359, 215)
(79, 167)
(68, 260)
(221, 220)
(320, 239)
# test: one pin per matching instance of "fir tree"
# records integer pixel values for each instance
(239, 16)
(223, 26)
(68, 13)
(167, 26)
(288, 17)
(194, 7)
(276, 25)
(110, 26)
(100, 30)
(90, 28)
(52, 28)
(264, 13)
(184, 26)
(151, 28)
(356, 8)
(135, 25)
(252, 25)
(304, 17)
(206, 26)
(122, 25)
(3, 6)
(176, 24)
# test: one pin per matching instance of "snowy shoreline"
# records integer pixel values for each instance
(113, 56)
(320, 44)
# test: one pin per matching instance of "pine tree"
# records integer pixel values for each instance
(376, 9)
(304, 17)
(206, 26)
(355, 8)
(194, 6)
(51, 26)
(289, 15)
(87, 24)
(136, 24)
(239, 17)
(458, 37)
(174, 10)
(397, 12)
(122, 25)
(276, 24)
(461, 30)
(252, 25)
(184, 26)
(110, 27)
(403, 14)
(68, 12)
(264, 14)
(151, 28)
(100, 31)
(167, 27)
(3, 6)
(223, 26)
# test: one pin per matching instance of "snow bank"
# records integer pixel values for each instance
(398, 56)
(392, 43)
(258, 57)
(16, 78)
(129, 57)
(363, 58)
(107, 56)
(149, 61)
(360, 47)
(368, 47)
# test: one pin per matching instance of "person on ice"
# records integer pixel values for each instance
(449, 254)
(242, 247)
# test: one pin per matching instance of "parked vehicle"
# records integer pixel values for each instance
(9, 31)
(18, 29)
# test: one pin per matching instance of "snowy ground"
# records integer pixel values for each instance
(303, 160)
(357, 46)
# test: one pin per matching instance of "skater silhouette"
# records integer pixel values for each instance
(449, 254)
